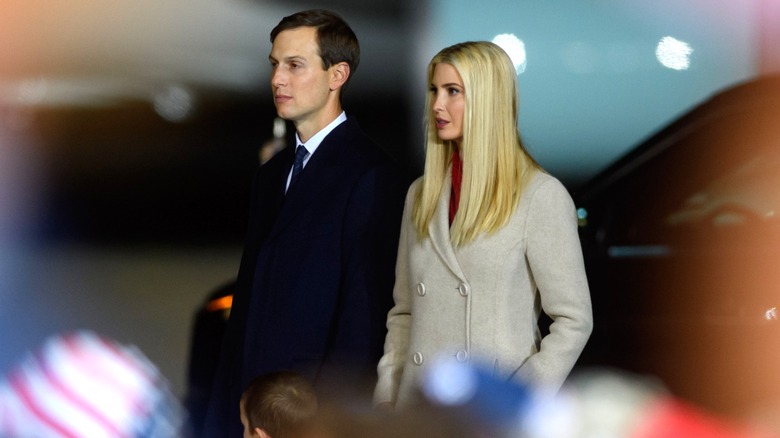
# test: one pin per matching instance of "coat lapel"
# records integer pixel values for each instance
(439, 229)
(324, 167)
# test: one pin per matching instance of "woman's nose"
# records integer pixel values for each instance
(437, 104)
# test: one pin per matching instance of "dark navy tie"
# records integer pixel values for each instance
(300, 154)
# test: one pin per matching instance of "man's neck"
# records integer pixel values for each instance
(306, 129)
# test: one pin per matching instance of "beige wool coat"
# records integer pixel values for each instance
(480, 303)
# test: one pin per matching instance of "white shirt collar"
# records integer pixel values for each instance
(316, 139)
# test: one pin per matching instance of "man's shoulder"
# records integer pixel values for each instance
(360, 145)
(351, 132)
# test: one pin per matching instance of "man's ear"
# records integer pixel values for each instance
(260, 433)
(339, 73)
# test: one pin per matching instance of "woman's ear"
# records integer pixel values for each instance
(260, 433)
(339, 73)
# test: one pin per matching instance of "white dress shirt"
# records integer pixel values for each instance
(314, 142)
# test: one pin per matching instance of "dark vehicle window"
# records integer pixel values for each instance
(720, 183)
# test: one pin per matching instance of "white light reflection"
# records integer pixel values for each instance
(673, 53)
(449, 382)
(174, 104)
(553, 416)
(515, 48)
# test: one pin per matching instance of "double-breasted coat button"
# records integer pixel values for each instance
(418, 358)
(461, 355)
(463, 289)
(420, 289)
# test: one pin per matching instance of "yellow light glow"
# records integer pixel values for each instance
(222, 303)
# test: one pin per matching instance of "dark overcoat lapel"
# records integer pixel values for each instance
(322, 170)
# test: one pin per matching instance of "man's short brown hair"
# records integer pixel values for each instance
(281, 403)
(336, 40)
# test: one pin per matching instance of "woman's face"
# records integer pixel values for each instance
(448, 102)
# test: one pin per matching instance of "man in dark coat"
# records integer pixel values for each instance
(316, 278)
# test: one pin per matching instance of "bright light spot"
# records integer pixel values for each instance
(673, 53)
(222, 303)
(582, 217)
(280, 128)
(553, 416)
(174, 104)
(771, 314)
(449, 382)
(513, 47)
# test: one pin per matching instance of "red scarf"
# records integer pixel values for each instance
(457, 176)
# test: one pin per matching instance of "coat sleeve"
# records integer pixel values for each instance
(391, 365)
(555, 257)
(370, 242)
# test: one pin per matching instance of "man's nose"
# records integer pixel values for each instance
(277, 77)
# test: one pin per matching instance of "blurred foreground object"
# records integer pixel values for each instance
(603, 403)
(596, 403)
(681, 239)
(466, 401)
(82, 385)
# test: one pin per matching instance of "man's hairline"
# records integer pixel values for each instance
(316, 40)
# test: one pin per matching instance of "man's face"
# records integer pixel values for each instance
(299, 83)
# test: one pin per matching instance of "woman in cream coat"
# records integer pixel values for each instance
(488, 241)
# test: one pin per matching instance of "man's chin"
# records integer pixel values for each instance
(286, 115)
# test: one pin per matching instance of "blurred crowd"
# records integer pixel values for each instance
(81, 384)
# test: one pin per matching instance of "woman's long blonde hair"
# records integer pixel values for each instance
(495, 162)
